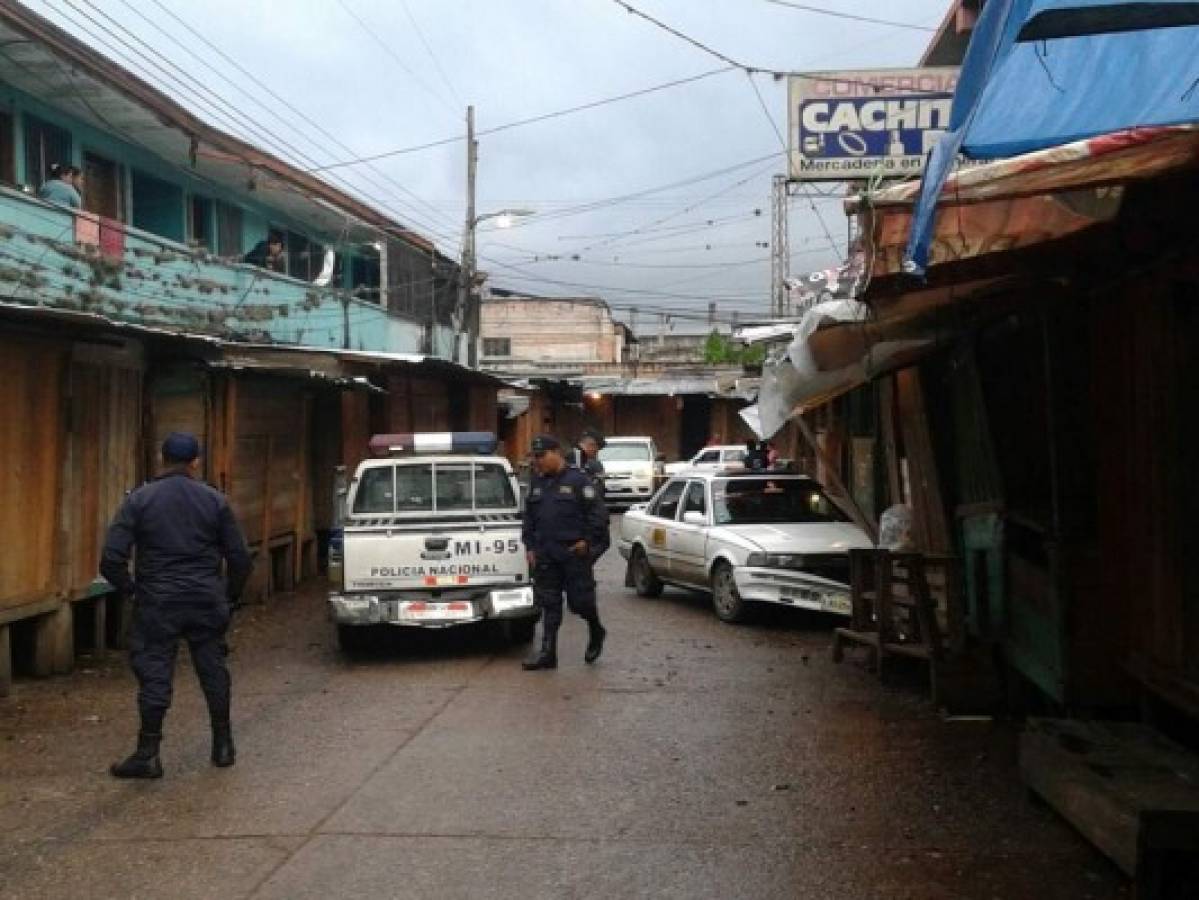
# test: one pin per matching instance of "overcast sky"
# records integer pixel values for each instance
(408, 80)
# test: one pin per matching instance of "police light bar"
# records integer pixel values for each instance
(481, 443)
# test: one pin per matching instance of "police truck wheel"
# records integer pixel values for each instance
(725, 600)
(352, 638)
(645, 581)
(521, 631)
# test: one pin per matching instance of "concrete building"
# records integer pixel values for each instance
(520, 332)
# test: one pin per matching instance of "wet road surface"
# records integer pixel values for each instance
(694, 760)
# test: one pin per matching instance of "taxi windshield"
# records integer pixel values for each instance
(761, 501)
(433, 487)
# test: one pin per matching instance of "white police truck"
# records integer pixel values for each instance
(430, 537)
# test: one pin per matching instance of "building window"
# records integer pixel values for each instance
(8, 167)
(199, 222)
(229, 233)
(157, 206)
(497, 346)
(364, 275)
(45, 145)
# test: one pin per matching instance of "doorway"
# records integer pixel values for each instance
(102, 188)
(695, 424)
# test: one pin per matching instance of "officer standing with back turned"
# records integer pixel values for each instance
(182, 529)
(565, 531)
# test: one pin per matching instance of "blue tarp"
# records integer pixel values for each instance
(1117, 66)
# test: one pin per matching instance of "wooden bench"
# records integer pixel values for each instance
(1130, 791)
(894, 611)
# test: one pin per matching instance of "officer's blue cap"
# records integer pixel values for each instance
(180, 447)
(544, 442)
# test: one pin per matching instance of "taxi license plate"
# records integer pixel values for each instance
(420, 610)
(837, 603)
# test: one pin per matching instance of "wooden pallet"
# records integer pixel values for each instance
(1130, 791)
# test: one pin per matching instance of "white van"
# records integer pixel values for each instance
(633, 468)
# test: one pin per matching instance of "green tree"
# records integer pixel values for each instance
(721, 350)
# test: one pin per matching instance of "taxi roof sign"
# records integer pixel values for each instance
(477, 443)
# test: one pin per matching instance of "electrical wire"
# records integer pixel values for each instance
(433, 56)
(220, 111)
(274, 95)
(519, 123)
(391, 54)
(870, 20)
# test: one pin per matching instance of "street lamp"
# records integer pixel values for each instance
(466, 315)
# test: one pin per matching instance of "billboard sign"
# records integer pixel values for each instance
(865, 124)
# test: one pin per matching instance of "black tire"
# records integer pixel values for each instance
(645, 582)
(520, 631)
(726, 602)
(352, 639)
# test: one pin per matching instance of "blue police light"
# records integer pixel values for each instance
(479, 443)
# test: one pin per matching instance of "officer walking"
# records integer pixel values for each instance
(565, 531)
(182, 529)
(586, 456)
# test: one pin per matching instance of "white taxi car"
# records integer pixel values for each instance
(766, 537)
(720, 456)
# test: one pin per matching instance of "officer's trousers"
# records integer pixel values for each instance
(154, 641)
(558, 572)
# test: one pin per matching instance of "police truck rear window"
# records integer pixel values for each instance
(434, 488)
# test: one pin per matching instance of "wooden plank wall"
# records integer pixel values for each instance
(104, 452)
(32, 373)
(657, 417)
(270, 452)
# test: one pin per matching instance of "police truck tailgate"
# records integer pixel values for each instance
(395, 555)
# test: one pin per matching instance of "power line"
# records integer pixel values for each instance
(730, 61)
(783, 143)
(496, 129)
(315, 125)
(395, 57)
(821, 11)
(433, 56)
(261, 131)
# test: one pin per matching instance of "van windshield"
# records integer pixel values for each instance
(625, 453)
(434, 487)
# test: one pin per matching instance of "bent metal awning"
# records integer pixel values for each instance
(986, 217)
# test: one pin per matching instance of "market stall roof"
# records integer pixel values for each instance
(1027, 200)
(1043, 73)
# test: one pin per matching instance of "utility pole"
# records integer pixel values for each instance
(467, 318)
(780, 249)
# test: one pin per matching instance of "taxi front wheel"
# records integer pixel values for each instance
(645, 582)
(725, 600)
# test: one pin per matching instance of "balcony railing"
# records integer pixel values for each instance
(68, 259)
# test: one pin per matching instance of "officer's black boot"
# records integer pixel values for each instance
(144, 763)
(223, 752)
(547, 656)
(595, 640)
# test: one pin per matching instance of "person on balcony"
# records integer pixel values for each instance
(269, 254)
(60, 186)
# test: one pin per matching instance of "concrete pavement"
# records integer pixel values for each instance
(694, 760)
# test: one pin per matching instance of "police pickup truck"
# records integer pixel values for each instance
(430, 538)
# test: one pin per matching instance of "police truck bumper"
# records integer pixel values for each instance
(375, 609)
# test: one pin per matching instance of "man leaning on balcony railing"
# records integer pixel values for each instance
(269, 254)
(63, 186)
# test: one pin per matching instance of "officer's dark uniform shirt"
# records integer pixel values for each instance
(183, 528)
(562, 510)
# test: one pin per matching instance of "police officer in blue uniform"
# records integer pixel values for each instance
(183, 529)
(586, 456)
(565, 531)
